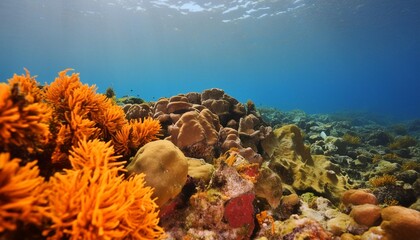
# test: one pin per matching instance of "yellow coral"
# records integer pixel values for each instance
(376, 158)
(384, 180)
(20, 193)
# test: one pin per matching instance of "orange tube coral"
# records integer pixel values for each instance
(22, 123)
(20, 190)
(138, 133)
(94, 202)
(28, 86)
(80, 113)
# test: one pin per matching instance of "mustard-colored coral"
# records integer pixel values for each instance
(94, 201)
(351, 139)
(411, 165)
(403, 142)
(383, 181)
(20, 193)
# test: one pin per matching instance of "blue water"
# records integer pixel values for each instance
(319, 56)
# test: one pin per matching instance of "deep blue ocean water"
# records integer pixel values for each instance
(320, 56)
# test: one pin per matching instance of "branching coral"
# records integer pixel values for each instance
(383, 181)
(411, 165)
(403, 142)
(80, 113)
(28, 86)
(20, 193)
(24, 117)
(351, 139)
(136, 134)
(62, 123)
(93, 201)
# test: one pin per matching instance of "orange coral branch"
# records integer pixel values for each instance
(20, 191)
(94, 202)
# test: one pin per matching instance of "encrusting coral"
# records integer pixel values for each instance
(94, 201)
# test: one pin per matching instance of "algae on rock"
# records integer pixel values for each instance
(299, 171)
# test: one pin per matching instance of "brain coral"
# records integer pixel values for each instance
(165, 166)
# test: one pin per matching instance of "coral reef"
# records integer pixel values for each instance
(60, 125)
(76, 164)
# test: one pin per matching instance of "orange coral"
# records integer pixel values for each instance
(22, 123)
(28, 86)
(59, 91)
(265, 218)
(94, 202)
(138, 133)
(80, 113)
(111, 120)
(93, 154)
(121, 140)
(144, 131)
(20, 193)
